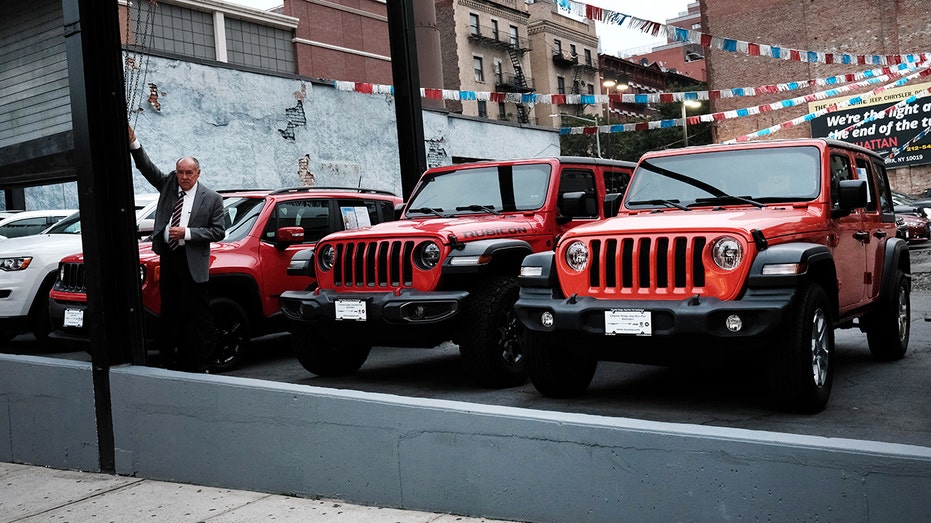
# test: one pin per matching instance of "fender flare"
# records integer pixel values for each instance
(895, 254)
(482, 255)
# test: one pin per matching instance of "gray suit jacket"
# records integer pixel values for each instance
(205, 224)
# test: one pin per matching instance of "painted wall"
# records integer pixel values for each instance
(252, 131)
(477, 460)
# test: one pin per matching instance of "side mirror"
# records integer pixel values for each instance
(302, 263)
(852, 195)
(612, 204)
(289, 235)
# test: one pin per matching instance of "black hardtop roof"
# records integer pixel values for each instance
(582, 160)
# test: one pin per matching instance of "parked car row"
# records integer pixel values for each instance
(541, 268)
(915, 222)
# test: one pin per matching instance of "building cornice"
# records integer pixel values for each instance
(352, 10)
(239, 12)
(497, 10)
(341, 49)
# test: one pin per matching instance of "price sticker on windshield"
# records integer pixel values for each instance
(636, 322)
(352, 310)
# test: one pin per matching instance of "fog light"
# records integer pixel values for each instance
(418, 312)
(546, 319)
(734, 323)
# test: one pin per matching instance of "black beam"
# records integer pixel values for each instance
(105, 196)
(406, 78)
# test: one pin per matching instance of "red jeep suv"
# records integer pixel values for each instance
(248, 269)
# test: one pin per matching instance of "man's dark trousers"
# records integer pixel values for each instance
(187, 334)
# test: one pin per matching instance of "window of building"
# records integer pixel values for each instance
(572, 50)
(557, 46)
(179, 30)
(259, 46)
(502, 111)
(494, 29)
(499, 74)
(473, 24)
(560, 85)
(513, 34)
(479, 70)
(483, 109)
(588, 57)
(591, 89)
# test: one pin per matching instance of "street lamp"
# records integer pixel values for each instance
(685, 126)
(595, 121)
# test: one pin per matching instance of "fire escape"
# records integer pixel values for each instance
(510, 83)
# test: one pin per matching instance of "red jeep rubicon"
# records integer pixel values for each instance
(248, 269)
(763, 247)
(448, 269)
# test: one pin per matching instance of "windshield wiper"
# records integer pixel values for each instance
(727, 198)
(668, 203)
(428, 210)
(478, 208)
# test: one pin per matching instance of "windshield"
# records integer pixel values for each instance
(483, 190)
(239, 215)
(69, 225)
(778, 174)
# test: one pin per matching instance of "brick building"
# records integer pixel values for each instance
(868, 27)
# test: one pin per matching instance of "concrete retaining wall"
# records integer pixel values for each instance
(471, 459)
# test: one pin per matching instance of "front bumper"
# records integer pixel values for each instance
(689, 321)
(405, 317)
(59, 304)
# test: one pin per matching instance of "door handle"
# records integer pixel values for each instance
(861, 236)
(880, 234)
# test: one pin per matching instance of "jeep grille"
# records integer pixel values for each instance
(72, 277)
(647, 264)
(385, 263)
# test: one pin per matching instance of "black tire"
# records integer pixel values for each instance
(492, 339)
(7, 335)
(888, 327)
(40, 321)
(801, 370)
(555, 370)
(325, 357)
(233, 335)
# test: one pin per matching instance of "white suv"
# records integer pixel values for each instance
(28, 266)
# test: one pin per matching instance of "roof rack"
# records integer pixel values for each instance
(319, 188)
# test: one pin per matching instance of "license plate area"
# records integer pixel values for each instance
(636, 322)
(350, 310)
(74, 318)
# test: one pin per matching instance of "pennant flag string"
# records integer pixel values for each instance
(831, 108)
(640, 98)
(750, 111)
(678, 34)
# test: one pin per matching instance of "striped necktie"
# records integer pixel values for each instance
(176, 219)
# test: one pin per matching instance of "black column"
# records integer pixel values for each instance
(408, 108)
(105, 193)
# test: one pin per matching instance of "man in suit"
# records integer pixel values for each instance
(189, 216)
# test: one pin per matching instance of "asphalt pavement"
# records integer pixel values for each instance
(33, 494)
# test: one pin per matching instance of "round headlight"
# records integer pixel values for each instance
(727, 253)
(577, 256)
(428, 255)
(326, 257)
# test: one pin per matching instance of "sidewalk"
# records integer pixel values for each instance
(29, 493)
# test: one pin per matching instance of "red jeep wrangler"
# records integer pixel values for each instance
(448, 269)
(765, 246)
(247, 269)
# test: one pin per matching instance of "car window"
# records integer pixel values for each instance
(69, 225)
(772, 174)
(865, 172)
(311, 215)
(616, 181)
(885, 203)
(239, 216)
(24, 227)
(483, 189)
(840, 171)
(575, 181)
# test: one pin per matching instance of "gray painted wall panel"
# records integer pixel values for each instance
(48, 417)
(494, 461)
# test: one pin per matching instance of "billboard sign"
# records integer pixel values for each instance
(887, 130)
